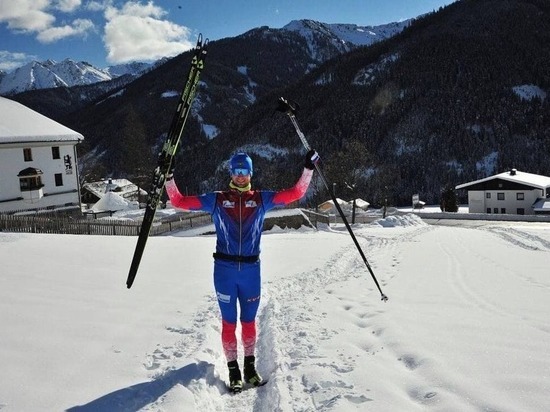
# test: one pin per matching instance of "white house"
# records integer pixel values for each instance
(511, 192)
(38, 167)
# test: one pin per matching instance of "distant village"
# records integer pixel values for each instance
(38, 172)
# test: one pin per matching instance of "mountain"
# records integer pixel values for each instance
(68, 73)
(457, 95)
(122, 124)
(344, 37)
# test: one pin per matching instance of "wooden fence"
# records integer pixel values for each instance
(69, 225)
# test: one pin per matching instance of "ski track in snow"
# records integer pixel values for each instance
(294, 340)
(289, 327)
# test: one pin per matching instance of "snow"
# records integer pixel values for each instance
(515, 176)
(111, 201)
(348, 33)
(18, 123)
(169, 94)
(529, 92)
(466, 327)
(266, 150)
(488, 164)
(210, 130)
(68, 73)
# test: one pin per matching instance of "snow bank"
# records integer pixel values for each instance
(401, 221)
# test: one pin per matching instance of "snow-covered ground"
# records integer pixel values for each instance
(466, 327)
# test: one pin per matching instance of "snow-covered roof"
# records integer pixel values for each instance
(360, 203)
(110, 202)
(20, 124)
(331, 203)
(542, 205)
(123, 187)
(515, 176)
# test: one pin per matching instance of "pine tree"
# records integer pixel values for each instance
(449, 201)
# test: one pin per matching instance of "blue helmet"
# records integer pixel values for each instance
(240, 161)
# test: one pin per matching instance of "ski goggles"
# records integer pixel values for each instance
(240, 172)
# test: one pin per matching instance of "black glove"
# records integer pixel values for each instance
(312, 157)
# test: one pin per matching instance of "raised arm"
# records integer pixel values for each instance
(284, 197)
(180, 201)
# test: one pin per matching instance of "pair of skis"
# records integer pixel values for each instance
(167, 153)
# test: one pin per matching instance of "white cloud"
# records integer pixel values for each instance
(68, 6)
(97, 5)
(10, 61)
(35, 16)
(138, 32)
(26, 15)
(79, 27)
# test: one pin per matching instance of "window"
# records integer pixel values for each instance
(521, 211)
(488, 210)
(500, 196)
(59, 179)
(27, 154)
(495, 210)
(55, 152)
(520, 196)
(30, 183)
(487, 195)
(503, 210)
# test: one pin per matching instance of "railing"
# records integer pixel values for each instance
(68, 225)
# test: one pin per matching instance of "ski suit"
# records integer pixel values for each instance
(238, 217)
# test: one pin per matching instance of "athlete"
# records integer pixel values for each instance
(238, 215)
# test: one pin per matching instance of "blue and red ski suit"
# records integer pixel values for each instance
(238, 217)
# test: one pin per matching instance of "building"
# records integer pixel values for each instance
(328, 206)
(38, 163)
(94, 191)
(511, 192)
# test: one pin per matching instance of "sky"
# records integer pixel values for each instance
(109, 32)
(466, 327)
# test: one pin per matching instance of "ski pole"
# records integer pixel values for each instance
(290, 110)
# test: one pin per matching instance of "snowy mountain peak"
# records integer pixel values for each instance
(347, 33)
(47, 74)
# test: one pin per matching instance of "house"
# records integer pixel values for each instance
(512, 192)
(38, 162)
(328, 206)
(94, 191)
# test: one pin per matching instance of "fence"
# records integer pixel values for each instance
(72, 226)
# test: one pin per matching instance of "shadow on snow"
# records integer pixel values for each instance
(137, 396)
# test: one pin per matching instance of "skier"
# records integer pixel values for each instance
(238, 215)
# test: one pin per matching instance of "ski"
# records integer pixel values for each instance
(168, 152)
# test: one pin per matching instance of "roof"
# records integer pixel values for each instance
(515, 176)
(329, 204)
(111, 202)
(360, 203)
(123, 187)
(542, 205)
(29, 171)
(20, 124)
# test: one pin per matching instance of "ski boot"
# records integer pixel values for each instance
(235, 379)
(250, 374)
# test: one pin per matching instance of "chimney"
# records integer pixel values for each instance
(513, 172)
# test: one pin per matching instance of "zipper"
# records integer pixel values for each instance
(240, 226)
